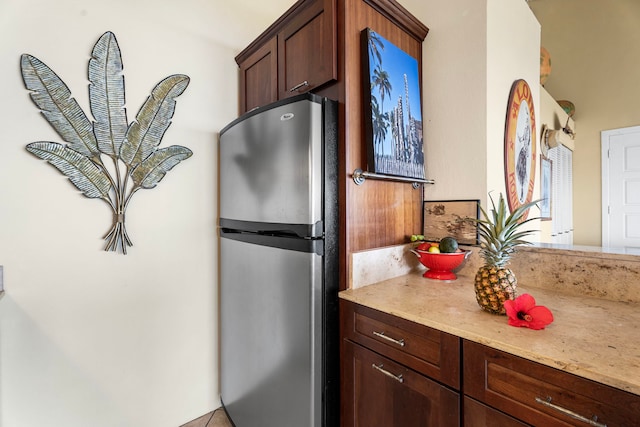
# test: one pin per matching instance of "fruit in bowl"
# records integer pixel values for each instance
(441, 261)
(448, 245)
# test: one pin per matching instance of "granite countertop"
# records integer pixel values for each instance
(590, 337)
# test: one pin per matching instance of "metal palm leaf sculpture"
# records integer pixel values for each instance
(132, 147)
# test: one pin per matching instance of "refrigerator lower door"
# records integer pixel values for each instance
(270, 335)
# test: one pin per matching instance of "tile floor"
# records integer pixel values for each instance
(217, 418)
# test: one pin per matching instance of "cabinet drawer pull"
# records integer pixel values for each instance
(547, 402)
(380, 368)
(299, 85)
(400, 342)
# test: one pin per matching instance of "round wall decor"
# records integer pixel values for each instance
(520, 146)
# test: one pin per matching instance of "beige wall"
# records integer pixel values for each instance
(454, 98)
(473, 53)
(512, 53)
(595, 58)
(89, 338)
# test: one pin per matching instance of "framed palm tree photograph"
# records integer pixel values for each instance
(393, 113)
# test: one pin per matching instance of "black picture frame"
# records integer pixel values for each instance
(392, 108)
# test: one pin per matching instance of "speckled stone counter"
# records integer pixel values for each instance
(591, 337)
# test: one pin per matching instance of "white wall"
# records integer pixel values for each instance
(90, 338)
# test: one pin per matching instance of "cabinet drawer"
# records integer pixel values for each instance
(428, 351)
(383, 393)
(476, 414)
(541, 395)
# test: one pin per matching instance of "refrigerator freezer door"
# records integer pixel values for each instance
(271, 353)
(271, 165)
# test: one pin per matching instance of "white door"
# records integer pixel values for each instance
(621, 187)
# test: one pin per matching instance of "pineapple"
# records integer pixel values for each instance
(499, 239)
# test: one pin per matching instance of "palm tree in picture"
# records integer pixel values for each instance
(381, 81)
(379, 122)
(375, 46)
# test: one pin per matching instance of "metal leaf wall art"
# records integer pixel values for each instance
(138, 163)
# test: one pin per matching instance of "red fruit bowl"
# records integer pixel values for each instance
(440, 265)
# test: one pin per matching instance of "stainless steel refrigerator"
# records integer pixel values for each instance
(279, 265)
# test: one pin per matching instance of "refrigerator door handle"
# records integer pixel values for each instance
(315, 230)
(315, 246)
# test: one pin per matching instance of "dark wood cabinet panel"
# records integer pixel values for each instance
(380, 213)
(307, 56)
(541, 395)
(382, 393)
(259, 77)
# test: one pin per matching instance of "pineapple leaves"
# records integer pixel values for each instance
(106, 95)
(132, 146)
(151, 171)
(81, 171)
(152, 121)
(56, 104)
(500, 232)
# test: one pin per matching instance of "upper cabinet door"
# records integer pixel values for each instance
(259, 77)
(307, 55)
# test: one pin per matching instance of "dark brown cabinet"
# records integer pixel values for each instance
(395, 372)
(540, 395)
(296, 55)
(307, 57)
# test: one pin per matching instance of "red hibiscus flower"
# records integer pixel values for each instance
(523, 311)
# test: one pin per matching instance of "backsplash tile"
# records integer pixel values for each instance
(579, 272)
(375, 265)
(599, 274)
